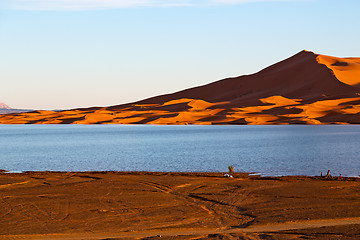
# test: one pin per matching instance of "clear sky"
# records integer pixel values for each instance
(59, 54)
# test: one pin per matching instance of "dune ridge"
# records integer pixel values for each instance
(306, 88)
(346, 70)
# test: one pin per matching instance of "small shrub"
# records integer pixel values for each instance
(231, 169)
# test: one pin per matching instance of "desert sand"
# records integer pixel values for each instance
(144, 205)
(306, 88)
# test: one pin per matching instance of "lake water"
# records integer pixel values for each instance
(268, 150)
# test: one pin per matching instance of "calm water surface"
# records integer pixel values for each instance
(269, 150)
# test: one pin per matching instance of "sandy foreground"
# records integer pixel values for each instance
(142, 205)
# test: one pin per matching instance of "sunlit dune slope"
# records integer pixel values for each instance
(306, 88)
(346, 70)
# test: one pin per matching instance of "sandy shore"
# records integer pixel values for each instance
(131, 205)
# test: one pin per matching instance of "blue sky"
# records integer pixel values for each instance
(78, 53)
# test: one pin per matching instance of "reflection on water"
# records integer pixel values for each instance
(269, 150)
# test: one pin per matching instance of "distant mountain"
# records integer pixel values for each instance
(4, 106)
(5, 109)
(306, 88)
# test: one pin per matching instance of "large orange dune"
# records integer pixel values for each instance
(306, 88)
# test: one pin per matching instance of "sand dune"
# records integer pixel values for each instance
(346, 70)
(306, 88)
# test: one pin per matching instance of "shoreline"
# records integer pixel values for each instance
(250, 175)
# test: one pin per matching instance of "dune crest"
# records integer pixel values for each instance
(306, 88)
(280, 100)
(346, 70)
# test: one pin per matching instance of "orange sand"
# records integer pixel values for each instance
(346, 70)
(306, 88)
(126, 205)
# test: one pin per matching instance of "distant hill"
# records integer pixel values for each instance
(5, 109)
(306, 88)
(4, 106)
